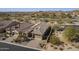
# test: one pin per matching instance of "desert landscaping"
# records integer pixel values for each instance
(49, 31)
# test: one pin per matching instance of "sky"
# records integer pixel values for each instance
(35, 9)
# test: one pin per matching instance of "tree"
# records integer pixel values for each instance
(60, 21)
(55, 40)
(69, 33)
(56, 27)
(63, 15)
(7, 18)
(76, 38)
(20, 38)
(54, 16)
(69, 15)
(68, 20)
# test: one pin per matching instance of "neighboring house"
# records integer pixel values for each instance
(8, 25)
(75, 25)
(41, 31)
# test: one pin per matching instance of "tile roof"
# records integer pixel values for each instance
(5, 24)
(41, 28)
(24, 27)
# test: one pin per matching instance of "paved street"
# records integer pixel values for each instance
(11, 47)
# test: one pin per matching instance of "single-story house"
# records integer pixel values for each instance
(41, 31)
(26, 28)
(75, 25)
(8, 25)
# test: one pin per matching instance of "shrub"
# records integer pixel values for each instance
(69, 33)
(55, 40)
